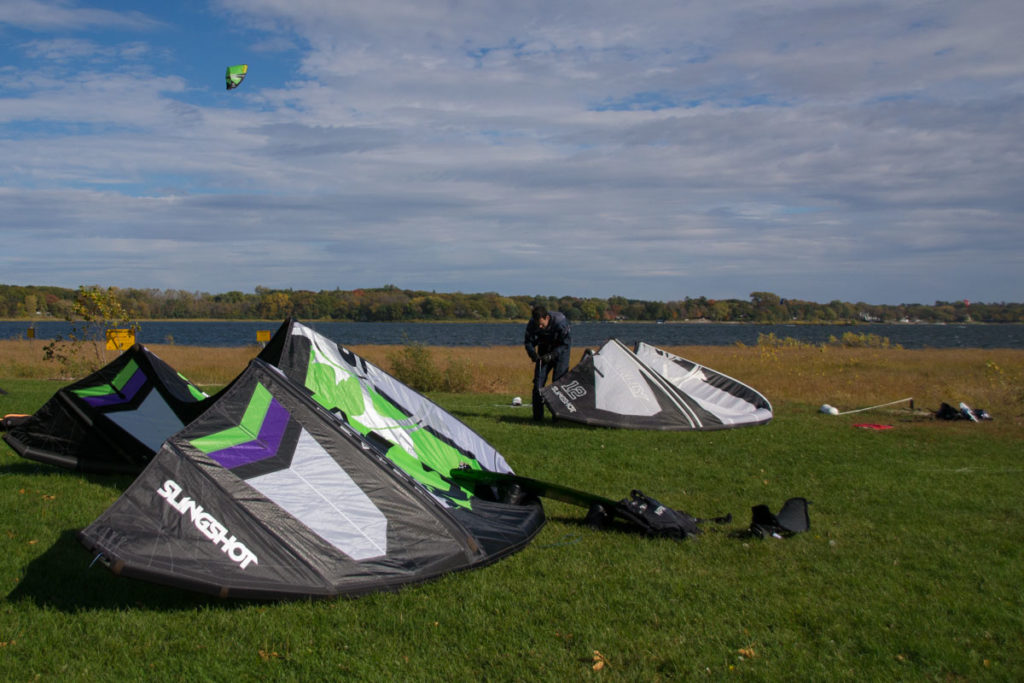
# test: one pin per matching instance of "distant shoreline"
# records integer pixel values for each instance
(700, 321)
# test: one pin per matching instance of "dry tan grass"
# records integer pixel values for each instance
(847, 378)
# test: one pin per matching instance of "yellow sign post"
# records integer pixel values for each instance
(263, 336)
(120, 339)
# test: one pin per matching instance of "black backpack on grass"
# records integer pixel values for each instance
(656, 519)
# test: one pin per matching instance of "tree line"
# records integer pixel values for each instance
(390, 303)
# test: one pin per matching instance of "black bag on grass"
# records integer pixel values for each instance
(656, 519)
(792, 519)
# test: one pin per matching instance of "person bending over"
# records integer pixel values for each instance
(548, 343)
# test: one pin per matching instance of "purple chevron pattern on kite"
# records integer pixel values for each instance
(124, 395)
(265, 444)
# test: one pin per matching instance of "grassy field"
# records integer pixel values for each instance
(911, 569)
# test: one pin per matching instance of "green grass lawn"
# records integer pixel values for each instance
(911, 569)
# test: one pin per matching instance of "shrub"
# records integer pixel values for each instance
(849, 340)
(94, 311)
(413, 364)
(770, 341)
(862, 341)
(458, 375)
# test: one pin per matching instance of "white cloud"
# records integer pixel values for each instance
(656, 150)
(37, 15)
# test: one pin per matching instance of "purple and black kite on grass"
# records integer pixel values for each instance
(111, 421)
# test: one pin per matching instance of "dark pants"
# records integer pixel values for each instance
(556, 367)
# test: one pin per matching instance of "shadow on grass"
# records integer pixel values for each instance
(31, 468)
(27, 467)
(63, 579)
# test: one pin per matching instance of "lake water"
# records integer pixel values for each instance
(592, 334)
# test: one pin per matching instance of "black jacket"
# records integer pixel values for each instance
(539, 342)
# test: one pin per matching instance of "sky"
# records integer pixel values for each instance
(658, 150)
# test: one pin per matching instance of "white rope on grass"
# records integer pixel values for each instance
(883, 405)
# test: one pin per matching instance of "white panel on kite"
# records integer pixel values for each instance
(319, 493)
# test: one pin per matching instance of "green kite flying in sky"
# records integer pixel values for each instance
(235, 75)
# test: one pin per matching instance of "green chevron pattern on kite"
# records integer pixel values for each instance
(196, 392)
(417, 451)
(245, 432)
(114, 386)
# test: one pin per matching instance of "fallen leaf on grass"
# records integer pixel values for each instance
(599, 661)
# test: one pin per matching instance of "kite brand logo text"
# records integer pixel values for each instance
(207, 524)
(566, 401)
